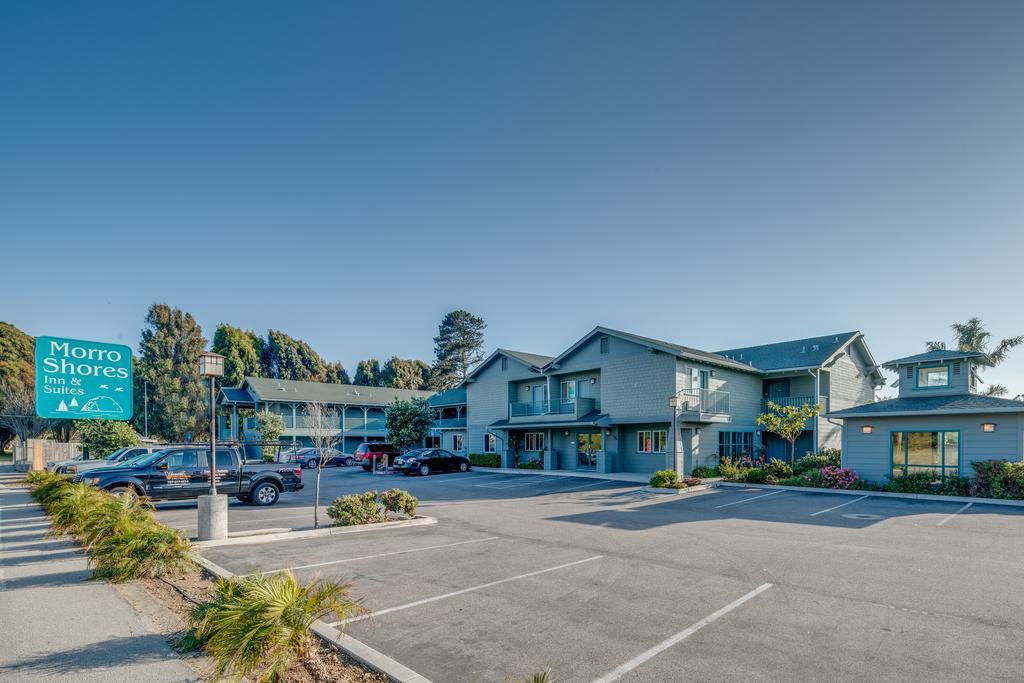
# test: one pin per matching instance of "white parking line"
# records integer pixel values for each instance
(679, 637)
(836, 507)
(471, 589)
(583, 486)
(18, 506)
(747, 500)
(534, 480)
(955, 514)
(394, 552)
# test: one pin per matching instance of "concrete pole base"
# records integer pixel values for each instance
(213, 517)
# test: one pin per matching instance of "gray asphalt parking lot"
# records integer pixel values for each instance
(598, 581)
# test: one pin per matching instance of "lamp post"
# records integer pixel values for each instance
(677, 460)
(213, 509)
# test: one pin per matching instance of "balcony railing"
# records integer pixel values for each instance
(449, 423)
(793, 401)
(704, 401)
(538, 408)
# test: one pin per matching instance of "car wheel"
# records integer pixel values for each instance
(463, 467)
(424, 470)
(349, 462)
(120, 490)
(312, 463)
(265, 494)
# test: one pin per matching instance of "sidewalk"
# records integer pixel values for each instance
(57, 625)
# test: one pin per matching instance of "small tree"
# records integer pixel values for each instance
(408, 422)
(788, 422)
(271, 426)
(18, 411)
(102, 437)
(324, 433)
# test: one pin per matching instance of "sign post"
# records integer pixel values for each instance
(83, 380)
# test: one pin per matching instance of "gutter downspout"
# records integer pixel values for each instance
(816, 373)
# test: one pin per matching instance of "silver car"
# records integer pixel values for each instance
(117, 457)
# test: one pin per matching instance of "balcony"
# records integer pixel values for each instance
(551, 411)
(449, 423)
(704, 405)
(795, 402)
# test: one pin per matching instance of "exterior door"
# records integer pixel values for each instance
(588, 444)
(778, 389)
(538, 396)
(181, 475)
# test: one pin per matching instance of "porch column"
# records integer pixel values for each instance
(550, 459)
(234, 422)
(344, 409)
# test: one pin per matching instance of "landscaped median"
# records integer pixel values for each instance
(257, 627)
(668, 481)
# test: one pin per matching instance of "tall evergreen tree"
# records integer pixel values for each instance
(398, 373)
(337, 374)
(368, 373)
(242, 351)
(285, 357)
(169, 361)
(458, 346)
(17, 377)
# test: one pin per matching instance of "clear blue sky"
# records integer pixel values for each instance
(716, 174)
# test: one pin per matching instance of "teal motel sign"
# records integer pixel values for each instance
(83, 380)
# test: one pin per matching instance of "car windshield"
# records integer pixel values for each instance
(113, 457)
(148, 458)
(133, 460)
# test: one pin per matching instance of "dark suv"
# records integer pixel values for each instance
(370, 455)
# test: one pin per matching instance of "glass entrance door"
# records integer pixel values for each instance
(587, 446)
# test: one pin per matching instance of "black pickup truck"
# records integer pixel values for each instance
(183, 473)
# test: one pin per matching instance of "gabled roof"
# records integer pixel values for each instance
(933, 405)
(292, 391)
(812, 352)
(235, 395)
(534, 361)
(448, 397)
(663, 346)
(938, 355)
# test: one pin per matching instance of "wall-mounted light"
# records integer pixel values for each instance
(566, 432)
(867, 429)
(526, 387)
(593, 380)
(712, 373)
(988, 426)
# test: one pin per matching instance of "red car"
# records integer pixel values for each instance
(370, 455)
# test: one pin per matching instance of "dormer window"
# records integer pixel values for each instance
(933, 377)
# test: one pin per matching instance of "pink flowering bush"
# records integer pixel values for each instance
(833, 477)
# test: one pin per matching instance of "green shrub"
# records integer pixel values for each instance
(814, 461)
(755, 475)
(485, 459)
(728, 471)
(914, 482)
(397, 500)
(705, 472)
(112, 514)
(986, 473)
(257, 626)
(778, 469)
(955, 486)
(139, 549)
(69, 510)
(531, 465)
(664, 478)
(356, 508)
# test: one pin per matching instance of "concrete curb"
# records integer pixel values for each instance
(671, 491)
(356, 649)
(315, 533)
(879, 494)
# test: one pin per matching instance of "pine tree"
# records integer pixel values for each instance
(337, 374)
(368, 373)
(169, 360)
(398, 373)
(285, 357)
(242, 351)
(458, 346)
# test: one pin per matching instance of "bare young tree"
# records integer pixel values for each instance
(18, 411)
(324, 433)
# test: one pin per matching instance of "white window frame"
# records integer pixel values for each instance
(563, 392)
(663, 434)
(457, 442)
(534, 441)
(490, 443)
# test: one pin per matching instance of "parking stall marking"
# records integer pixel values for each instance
(836, 507)
(747, 500)
(583, 486)
(463, 591)
(943, 522)
(500, 485)
(388, 554)
(643, 657)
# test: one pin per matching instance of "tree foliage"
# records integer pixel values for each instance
(18, 412)
(242, 351)
(972, 336)
(398, 373)
(337, 374)
(169, 360)
(368, 373)
(458, 346)
(408, 422)
(17, 355)
(102, 437)
(17, 377)
(288, 358)
(788, 422)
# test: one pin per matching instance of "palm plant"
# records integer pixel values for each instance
(70, 510)
(261, 623)
(111, 515)
(972, 336)
(139, 548)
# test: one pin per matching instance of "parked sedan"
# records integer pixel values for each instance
(423, 461)
(310, 457)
